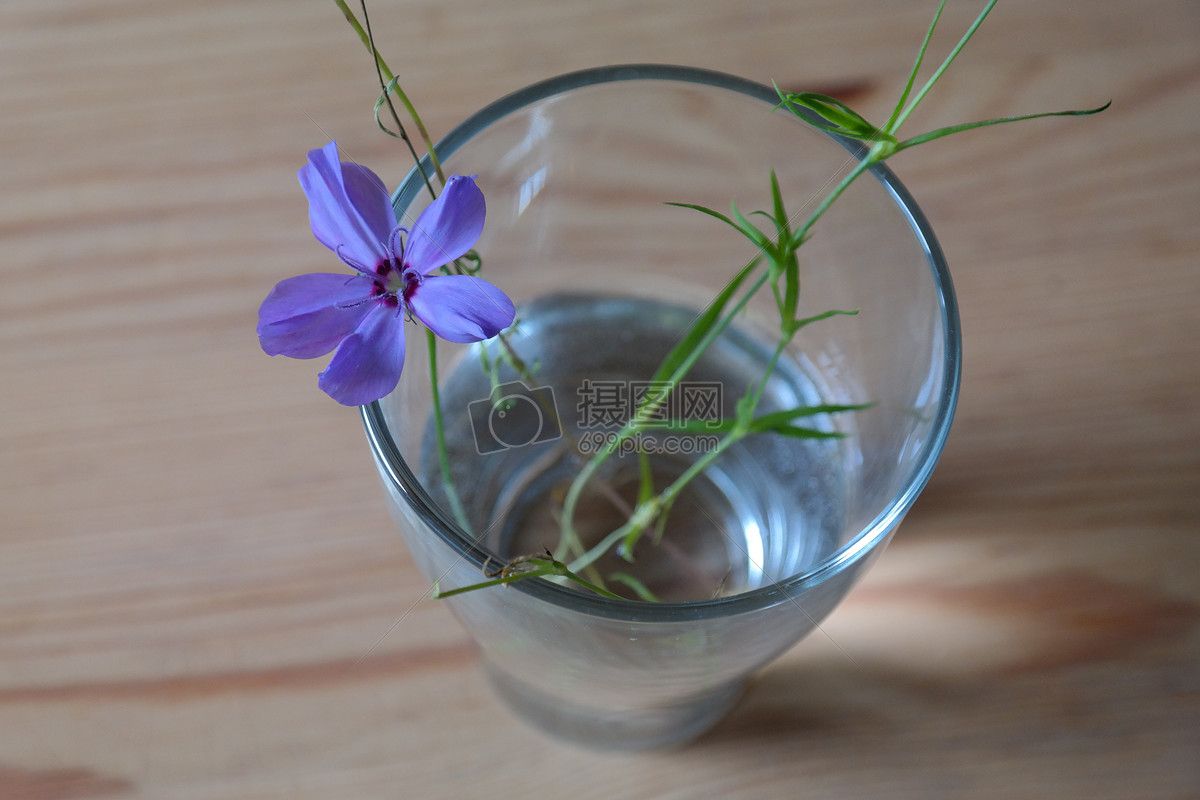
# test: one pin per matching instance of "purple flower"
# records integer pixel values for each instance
(363, 315)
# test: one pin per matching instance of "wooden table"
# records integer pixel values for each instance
(194, 551)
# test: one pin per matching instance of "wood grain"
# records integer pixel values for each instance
(202, 596)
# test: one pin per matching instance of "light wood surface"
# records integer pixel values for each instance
(202, 595)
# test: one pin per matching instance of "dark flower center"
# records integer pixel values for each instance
(388, 284)
(411, 280)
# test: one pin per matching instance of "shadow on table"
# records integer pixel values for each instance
(1129, 720)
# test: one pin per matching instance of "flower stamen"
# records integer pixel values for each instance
(352, 264)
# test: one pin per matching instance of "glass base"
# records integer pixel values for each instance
(629, 730)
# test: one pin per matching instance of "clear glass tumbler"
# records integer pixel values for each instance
(577, 172)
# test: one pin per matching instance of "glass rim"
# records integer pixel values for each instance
(401, 477)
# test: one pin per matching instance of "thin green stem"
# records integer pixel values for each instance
(382, 66)
(570, 539)
(757, 392)
(387, 97)
(898, 120)
(529, 379)
(439, 425)
(616, 536)
(539, 568)
(740, 429)
(653, 509)
(870, 160)
(894, 121)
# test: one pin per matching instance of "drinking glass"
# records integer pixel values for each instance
(578, 173)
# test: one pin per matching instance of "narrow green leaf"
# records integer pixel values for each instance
(798, 238)
(779, 419)
(524, 568)
(688, 426)
(438, 594)
(967, 126)
(703, 323)
(806, 433)
(779, 229)
(750, 230)
(898, 120)
(743, 226)
(781, 215)
(706, 210)
(838, 117)
(791, 299)
(561, 569)
(892, 125)
(633, 583)
(800, 323)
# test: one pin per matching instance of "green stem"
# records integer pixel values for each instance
(898, 120)
(388, 75)
(439, 425)
(740, 429)
(542, 568)
(570, 539)
(756, 392)
(645, 514)
(893, 122)
(870, 160)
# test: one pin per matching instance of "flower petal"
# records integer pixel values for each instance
(348, 206)
(306, 316)
(448, 227)
(461, 308)
(368, 363)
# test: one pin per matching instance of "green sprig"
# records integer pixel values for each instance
(837, 117)
(777, 265)
(524, 568)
